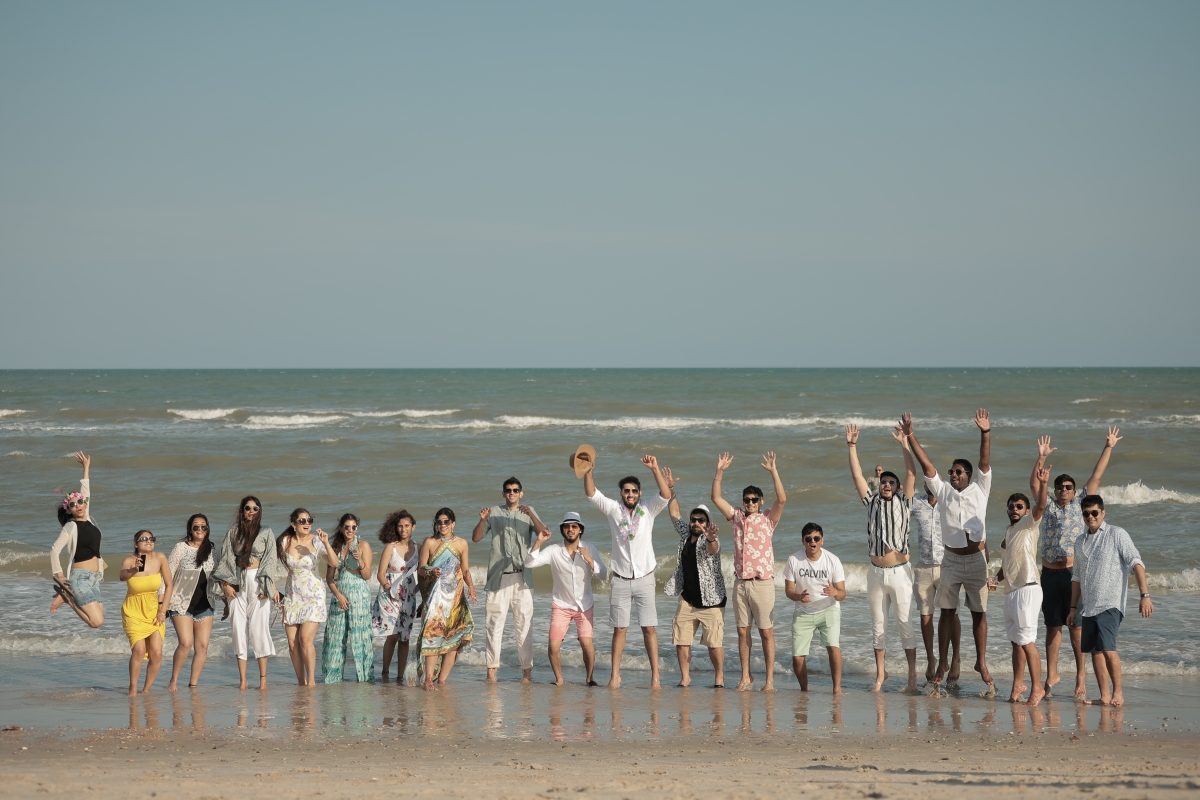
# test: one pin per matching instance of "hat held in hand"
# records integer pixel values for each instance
(582, 458)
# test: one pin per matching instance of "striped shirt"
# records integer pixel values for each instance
(887, 523)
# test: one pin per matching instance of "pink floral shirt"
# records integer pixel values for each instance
(753, 553)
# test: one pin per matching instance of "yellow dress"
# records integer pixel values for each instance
(139, 612)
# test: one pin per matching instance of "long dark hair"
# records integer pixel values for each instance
(205, 549)
(244, 533)
(389, 531)
(339, 538)
(282, 543)
(442, 512)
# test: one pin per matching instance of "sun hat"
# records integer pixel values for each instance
(584, 455)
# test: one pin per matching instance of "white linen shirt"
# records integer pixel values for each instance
(962, 514)
(1103, 561)
(632, 550)
(572, 578)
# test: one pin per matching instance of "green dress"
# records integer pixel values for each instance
(352, 626)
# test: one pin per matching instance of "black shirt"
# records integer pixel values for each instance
(691, 578)
(199, 603)
(87, 542)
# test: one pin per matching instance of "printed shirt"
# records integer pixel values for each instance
(813, 576)
(708, 568)
(632, 549)
(1019, 554)
(887, 523)
(928, 524)
(1103, 561)
(753, 552)
(513, 533)
(962, 513)
(572, 576)
(1061, 526)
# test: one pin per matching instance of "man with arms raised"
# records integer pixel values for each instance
(753, 566)
(514, 528)
(1104, 557)
(890, 577)
(632, 564)
(1022, 592)
(1061, 526)
(572, 565)
(927, 524)
(962, 503)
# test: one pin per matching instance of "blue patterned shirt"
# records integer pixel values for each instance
(1103, 561)
(928, 525)
(1061, 526)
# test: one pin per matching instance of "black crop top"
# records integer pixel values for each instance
(87, 542)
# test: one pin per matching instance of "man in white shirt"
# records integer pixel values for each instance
(632, 564)
(1023, 590)
(572, 565)
(962, 508)
(815, 579)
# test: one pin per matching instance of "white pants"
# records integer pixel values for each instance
(250, 617)
(891, 587)
(512, 595)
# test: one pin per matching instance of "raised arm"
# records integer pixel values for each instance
(538, 557)
(86, 461)
(723, 462)
(673, 506)
(1044, 451)
(664, 490)
(860, 483)
(768, 463)
(1093, 483)
(481, 526)
(528, 511)
(910, 469)
(984, 421)
(589, 481)
(1042, 478)
(906, 429)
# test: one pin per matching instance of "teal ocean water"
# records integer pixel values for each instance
(166, 444)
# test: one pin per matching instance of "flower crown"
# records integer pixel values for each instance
(69, 496)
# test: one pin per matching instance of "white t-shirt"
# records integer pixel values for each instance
(813, 576)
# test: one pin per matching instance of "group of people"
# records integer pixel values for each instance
(1081, 583)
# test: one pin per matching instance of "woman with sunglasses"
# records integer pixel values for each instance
(443, 572)
(304, 597)
(79, 586)
(192, 612)
(251, 574)
(143, 615)
(396, 604)
(350, 605)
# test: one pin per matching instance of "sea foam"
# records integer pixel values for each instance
(272, 422)
(1137, 494)
(11, 412)
(201, 413)
(652, 423)
(411, 413)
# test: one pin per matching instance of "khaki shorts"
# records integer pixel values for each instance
(683, 628)
(965, 572)
(928, 580)
(754, 601)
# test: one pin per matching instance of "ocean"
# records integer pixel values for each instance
(168, 443)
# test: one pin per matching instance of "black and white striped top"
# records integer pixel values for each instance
(887, 523)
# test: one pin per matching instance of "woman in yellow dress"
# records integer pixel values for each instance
(143, 615)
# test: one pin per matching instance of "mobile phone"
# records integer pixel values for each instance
(142, 563)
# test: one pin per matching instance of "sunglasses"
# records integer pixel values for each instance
(958, 471)
(1095, 512)
(1016, 506)
(349, 527)
(749, 500)
(512, 490)
(442, 523)
(699, 521)
(889, 482)
(812, 539)
(250, 508)
(199, 527)
(1065, 489)
(75, 503)
(305, 521)
(145, 539)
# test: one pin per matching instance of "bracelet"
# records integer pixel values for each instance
(851, 444)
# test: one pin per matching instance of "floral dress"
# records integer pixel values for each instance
(304, 600)
(393, 611)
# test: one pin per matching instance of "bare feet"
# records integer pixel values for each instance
(56, 603)
(172, 687)
(685, 682)
(1118, 699)
(930, 672)
(1103, 701)
(133, 692)
(955, 670)
(1015, 695)
(614, 682)
(982, 669)
(990, 692)
(745, 685)
(1080, 691)
(527, 676)
(654, 683)
(262, 682)
(878, 685)
(243, 685)
(428, 685)
(1035, 697)
(558, 682)
(769, 686)
(837, 692)
(1047, 690)
(491, 676)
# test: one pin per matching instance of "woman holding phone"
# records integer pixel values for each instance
(192, 614)
(304, 602)
(142, 615)
(349, 605)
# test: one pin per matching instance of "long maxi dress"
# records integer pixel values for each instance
(394, 610)
(352, 626)
(448, 624)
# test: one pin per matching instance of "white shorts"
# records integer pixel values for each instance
(1021, 609)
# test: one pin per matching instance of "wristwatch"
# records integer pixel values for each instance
(1145, 595)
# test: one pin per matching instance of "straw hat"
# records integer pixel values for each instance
(582, 458)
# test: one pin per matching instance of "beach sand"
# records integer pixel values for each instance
(216, 764)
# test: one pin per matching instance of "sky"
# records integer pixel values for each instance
(599, 184)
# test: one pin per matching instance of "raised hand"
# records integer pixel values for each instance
(587, 557)
(768, 462)
(851, 434)
(723, 462)
(651, 462)
(669, 478)
(83, 459)
(1044, 448)
(906, 424)
(1043, 474)
(484, 513)
(1113, 437)
(984, 420)
(324, 537)
(899, 435)
(544, 536)
(526, 510)
(712, 531)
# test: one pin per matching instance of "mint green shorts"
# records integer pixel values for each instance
(828, 622)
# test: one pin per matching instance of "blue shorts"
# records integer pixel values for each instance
(85, 586)
(205, 614)
(1100, 631)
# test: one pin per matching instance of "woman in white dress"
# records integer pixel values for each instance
(304, 600)
(395, 606)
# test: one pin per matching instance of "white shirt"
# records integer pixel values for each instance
(572, 578)
(814, 576)
(962, 513)
(632, 550)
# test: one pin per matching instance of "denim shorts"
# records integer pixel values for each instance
(85, 586)
(208, 612)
